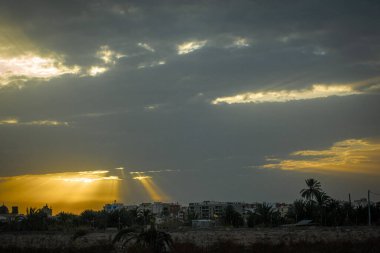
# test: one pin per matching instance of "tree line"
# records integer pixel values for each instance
(314, 205)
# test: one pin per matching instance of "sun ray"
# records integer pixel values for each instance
(154, 192)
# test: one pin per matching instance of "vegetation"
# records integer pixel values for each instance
(314, 204)
(264, 215)
(150, 240)
(313, 189)
(317, 206)
(232, 217)
(368, 246)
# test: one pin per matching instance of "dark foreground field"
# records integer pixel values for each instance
(266, 240)
(367, 246)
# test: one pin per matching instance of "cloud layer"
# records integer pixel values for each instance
(207, 88)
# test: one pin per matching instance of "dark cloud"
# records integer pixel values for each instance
(292, 45)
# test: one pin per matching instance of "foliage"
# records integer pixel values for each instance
(264, 215)
(79, 233)
(232, 217)
(312, 190)
(151, 239)
(225, 246)
(314, 205)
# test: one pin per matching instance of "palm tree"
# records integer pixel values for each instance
(313, 189)
(151, 239)
(265, 212)
(322, 198)
(299, 210)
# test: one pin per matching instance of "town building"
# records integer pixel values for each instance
(360, 202)
(215, 209)
(109, 208)
(4, 209)
(47, 210)
(14, 210)
(282, 208)
(6, 216)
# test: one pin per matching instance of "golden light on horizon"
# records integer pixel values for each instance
(67, 191)
(348, 156)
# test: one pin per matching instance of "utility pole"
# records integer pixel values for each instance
(349, 209)
(349, 199)
(369, 209)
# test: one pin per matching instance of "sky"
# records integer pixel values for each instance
(140, 101)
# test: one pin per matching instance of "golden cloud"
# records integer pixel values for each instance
(152, 171)
(352, 156)
(21, 60)
(190, 46)
(320, 90)
(107, 55)
(16, 122)
(316, 91)
(96, 70)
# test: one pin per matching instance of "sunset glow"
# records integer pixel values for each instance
(185, 101)
(68, 191)
(348, 156)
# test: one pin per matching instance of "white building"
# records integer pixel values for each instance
(215, 209)
(360, 202)
(282, 208)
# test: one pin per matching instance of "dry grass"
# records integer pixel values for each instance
(368, 246)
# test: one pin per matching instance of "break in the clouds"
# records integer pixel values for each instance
(190, 46)
(21, 60)
(146, 46)
(208, 88)
(24, 61)
(96, 70)
(239, 43)
(17, 122)
(348, 156)
(152, 171)
(316, 91)
(313, 92)
(22, 68)
(108, 56)
(151, 64)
